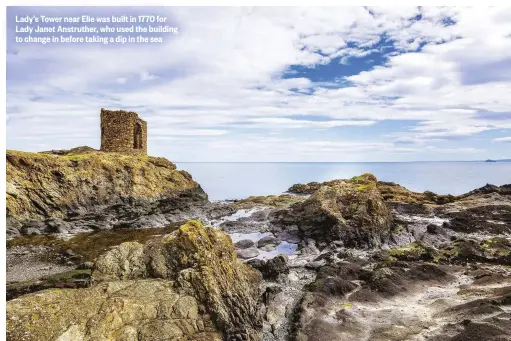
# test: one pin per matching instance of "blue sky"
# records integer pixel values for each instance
(277, 84)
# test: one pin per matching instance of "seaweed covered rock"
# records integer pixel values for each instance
(48, 193)
(492, 250)
(187, 285)
(495, 250)
(395, 193)
(351, 211)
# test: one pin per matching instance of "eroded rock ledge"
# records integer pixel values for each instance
(84, 189)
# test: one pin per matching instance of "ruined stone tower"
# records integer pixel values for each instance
(123, 132)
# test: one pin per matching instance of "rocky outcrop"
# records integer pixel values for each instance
(85, 189)
(496, 250)
(148, 309)
(390, 191)
(269, 201)
(188, 285)
(360, 301)
(352, 212)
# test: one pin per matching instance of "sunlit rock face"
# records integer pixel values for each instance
(187, 285)
(351, 211)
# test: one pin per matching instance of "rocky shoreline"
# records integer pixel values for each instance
(352, 259)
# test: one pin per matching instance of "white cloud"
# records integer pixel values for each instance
(225, 69)
(503, 139)
(277, 122)
(146, 76)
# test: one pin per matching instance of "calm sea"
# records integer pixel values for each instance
(239, 180)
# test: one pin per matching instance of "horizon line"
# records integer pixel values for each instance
(418, 161)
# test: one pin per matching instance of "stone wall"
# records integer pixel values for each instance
(123, 132)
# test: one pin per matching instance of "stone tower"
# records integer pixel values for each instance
(123, 132)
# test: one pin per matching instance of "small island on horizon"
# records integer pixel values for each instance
(501, 160)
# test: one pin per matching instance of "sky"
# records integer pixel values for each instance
(277, 84)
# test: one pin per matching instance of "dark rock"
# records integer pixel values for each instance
(493, 219)
(489, 189)
(244, 244)
(33, 227)
(268, 240)
(270, 293)
(79, 278)
(309, 188)
(334, 286)
(272, 268)
(56, 225)
(289, 237)
(85, 265)
(433, 229)
(268, 248)
(247, 253)
(482, 332)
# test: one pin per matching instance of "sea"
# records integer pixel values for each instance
(237, 180)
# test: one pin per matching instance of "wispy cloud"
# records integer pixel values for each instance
(391, 80)
(503, 139)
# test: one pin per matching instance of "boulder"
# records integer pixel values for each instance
(247, 253)
(433, 229)
(351, 211)
(187, 285)
(271, 269)
(268, 240)
(244, 244)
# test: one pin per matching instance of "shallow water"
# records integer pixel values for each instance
(282, 248)
(239, 180)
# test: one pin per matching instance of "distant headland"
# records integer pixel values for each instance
(501, 160)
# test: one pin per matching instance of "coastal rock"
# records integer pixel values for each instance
(309, 188)
(147, 309)
(492, 250)
(351, 211)
(83, 189)
(271, 269)
(187, 285)
(268, 240)
(495, 250)
(279, 201)
(247, 253)
(331, 305)
(244, 244)
(494, 218)
(433, 229)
